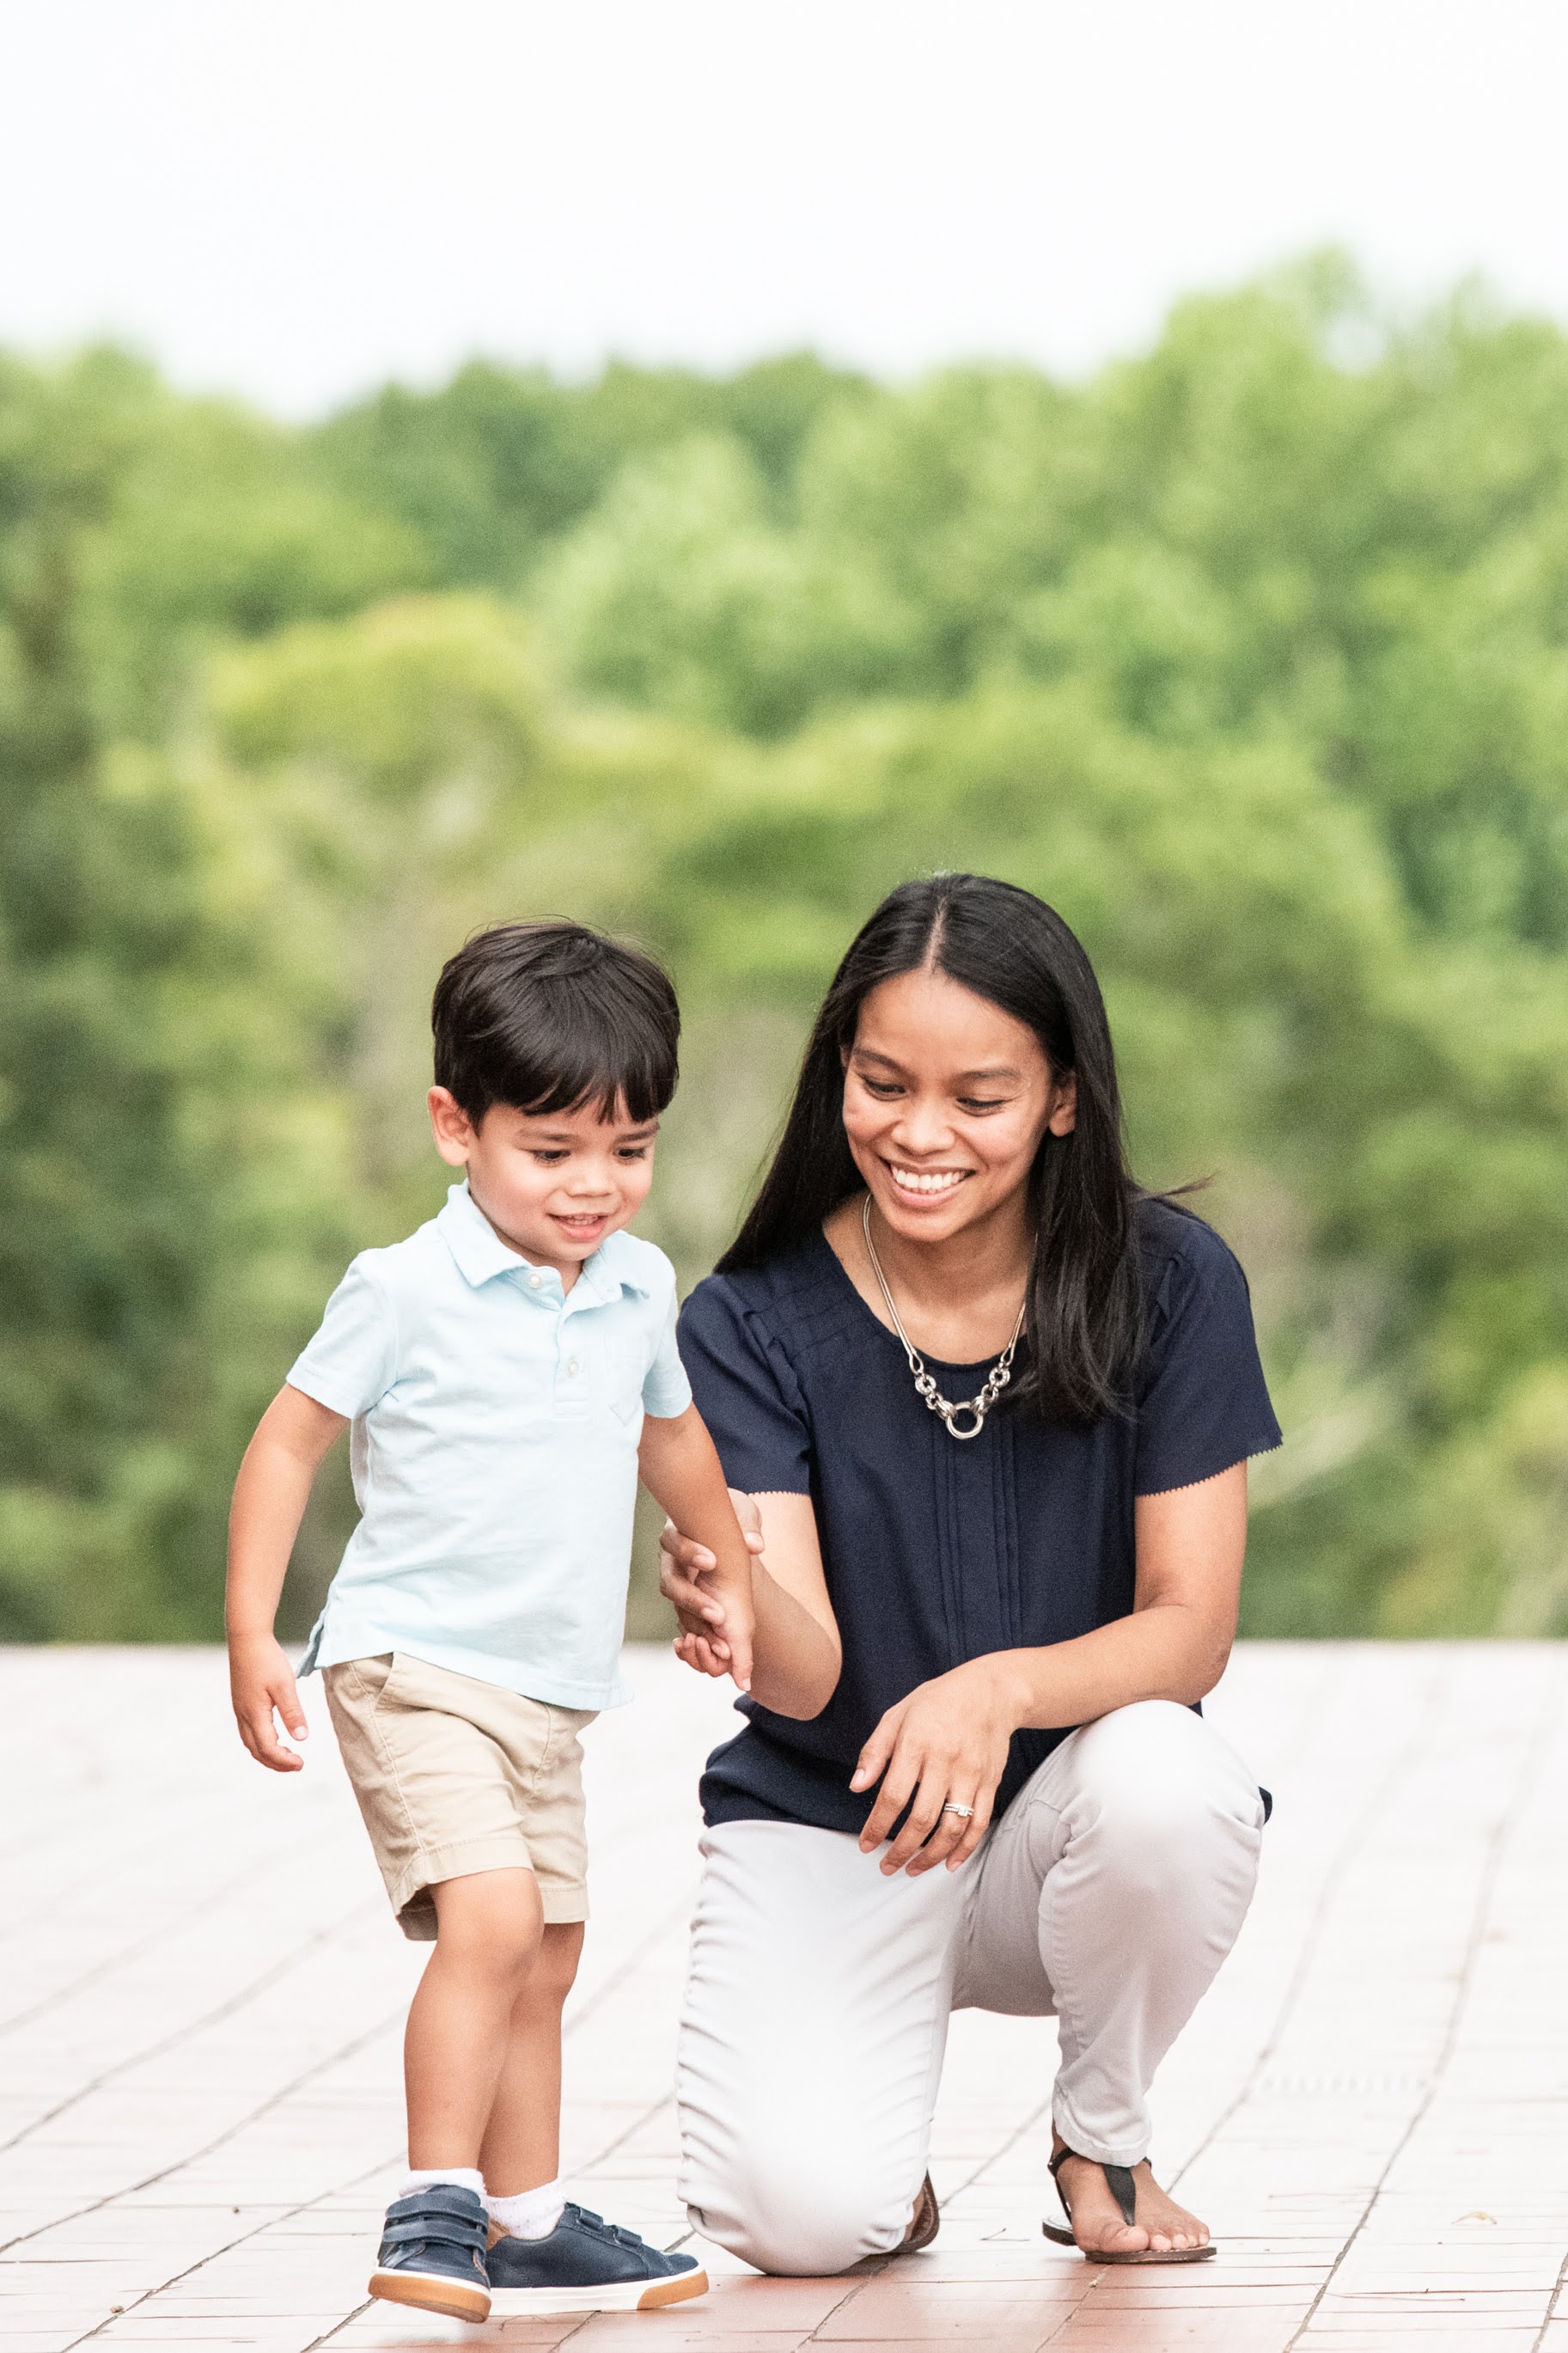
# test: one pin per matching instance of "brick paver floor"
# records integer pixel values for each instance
(201, 1995)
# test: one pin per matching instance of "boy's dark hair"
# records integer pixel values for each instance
(550, 1016)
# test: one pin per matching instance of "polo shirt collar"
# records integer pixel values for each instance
(473, 1241)
(613, 1268)
(480, 1254)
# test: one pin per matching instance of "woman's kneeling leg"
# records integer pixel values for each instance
(811, 2045)
(1131, 1855)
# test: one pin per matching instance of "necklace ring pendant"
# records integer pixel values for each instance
(973, 1409)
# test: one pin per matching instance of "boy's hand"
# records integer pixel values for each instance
(261, 1680)
(688, 1578)
(733, 1593)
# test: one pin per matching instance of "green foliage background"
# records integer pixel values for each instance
(1251, 655)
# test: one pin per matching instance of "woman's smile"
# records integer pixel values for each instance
(929, 1183)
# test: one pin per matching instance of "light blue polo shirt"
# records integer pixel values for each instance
(494, 1451)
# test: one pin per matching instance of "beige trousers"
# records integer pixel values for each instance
(818, 1993)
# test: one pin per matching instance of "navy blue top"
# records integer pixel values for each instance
(936, 1551)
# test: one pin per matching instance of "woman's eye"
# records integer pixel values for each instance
(971, 1104)
(882, 1088)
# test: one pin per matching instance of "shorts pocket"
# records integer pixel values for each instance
(372, 1676)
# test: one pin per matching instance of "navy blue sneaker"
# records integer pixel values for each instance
(432, 2254)
(587, 2264)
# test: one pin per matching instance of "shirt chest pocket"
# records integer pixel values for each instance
(625, 1369)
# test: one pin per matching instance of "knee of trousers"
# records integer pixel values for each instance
(1160, 1793)
(802, 2214)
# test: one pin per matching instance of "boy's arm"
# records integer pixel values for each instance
(291, 1442)
(679, 1467)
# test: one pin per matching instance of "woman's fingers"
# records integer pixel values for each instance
(748, 1511)
(883, 1759)
(974, 1831)
(691, 1559)
(891, 1799)
(874, 1757)
(920, 1823)
(950, 1830)
(690, 1597)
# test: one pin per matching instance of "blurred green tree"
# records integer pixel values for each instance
(154, 1132)
(1251, 655)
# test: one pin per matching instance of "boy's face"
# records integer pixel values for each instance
(552, 1183)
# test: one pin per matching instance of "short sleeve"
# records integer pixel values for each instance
(1203, 1405)
(352, 1360)
(666, 1391)
(746, 1392)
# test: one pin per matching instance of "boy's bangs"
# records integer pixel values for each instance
(632, 1092)
(581, 1048)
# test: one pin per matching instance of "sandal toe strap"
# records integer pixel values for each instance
(1119, 2179)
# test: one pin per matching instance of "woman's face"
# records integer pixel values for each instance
(945, 1100)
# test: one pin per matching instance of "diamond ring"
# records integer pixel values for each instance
(952, 1806)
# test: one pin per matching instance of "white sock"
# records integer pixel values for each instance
(532, 2214)
(461, 2177)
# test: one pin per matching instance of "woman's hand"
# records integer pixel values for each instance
(948, 1740)
(686, 1572)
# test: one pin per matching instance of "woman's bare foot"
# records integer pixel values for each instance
(1162, 2226)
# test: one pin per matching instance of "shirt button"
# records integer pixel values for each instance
(573, 1366)
(535, 1281)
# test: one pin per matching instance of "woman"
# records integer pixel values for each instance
(992, 1408)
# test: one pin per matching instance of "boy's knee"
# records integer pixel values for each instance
(489, 1923)
(554, 1969)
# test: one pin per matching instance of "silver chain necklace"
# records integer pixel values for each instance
(995, 1381)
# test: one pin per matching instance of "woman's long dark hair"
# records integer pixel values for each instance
(1085, 1319)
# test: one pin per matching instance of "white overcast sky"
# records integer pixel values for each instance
(296, 198)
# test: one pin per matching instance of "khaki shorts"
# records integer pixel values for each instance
(455, 1776)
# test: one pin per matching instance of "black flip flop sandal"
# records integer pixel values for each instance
(1124, 2189)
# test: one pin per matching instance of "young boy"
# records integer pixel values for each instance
(508, 1371)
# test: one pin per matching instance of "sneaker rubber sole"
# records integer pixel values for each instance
(616, 2296)
(432, 2292)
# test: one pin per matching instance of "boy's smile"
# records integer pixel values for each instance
(554, 1185)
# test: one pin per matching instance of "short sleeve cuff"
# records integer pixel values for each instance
(1167, 1478)
(666, 1394)
(321, 1387)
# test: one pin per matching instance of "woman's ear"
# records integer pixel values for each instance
(1064, 1106)
(452, 1126)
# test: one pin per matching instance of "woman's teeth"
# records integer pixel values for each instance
(938, 1181)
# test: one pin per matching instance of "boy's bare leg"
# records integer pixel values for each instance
(490, 1929)
(522, 2146)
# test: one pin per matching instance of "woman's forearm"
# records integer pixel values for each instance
(795, 1661)
(1167, 1651)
